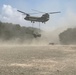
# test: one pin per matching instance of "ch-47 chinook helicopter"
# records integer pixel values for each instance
(44, 18)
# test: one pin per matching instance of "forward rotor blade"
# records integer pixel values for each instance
(54, 12)
(22, 12)
(26, 13)
(38, 11)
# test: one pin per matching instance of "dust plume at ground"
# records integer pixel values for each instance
(16, 34)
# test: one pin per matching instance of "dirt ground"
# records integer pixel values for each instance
(38, 60)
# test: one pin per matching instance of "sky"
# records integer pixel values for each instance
(67, 17)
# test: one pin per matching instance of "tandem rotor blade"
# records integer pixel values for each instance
(38, 11)
(26, 13)
(54, 12)
(45, 12)
(22, 12)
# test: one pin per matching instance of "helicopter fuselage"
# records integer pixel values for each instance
(43, 18)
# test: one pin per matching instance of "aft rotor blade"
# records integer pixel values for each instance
(54, 12)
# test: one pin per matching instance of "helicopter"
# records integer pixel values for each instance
(44, 18)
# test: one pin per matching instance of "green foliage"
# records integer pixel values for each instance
(12, 31)
(68, 36)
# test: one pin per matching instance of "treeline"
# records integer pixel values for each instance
(10, 31)
(68, 36)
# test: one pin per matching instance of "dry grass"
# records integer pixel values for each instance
(37, 60)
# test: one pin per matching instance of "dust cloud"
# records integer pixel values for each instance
(45, 39)
(68, 20)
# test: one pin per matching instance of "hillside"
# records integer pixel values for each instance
(9, 31)
(68, 36)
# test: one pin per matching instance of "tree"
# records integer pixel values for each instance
(68, 36)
